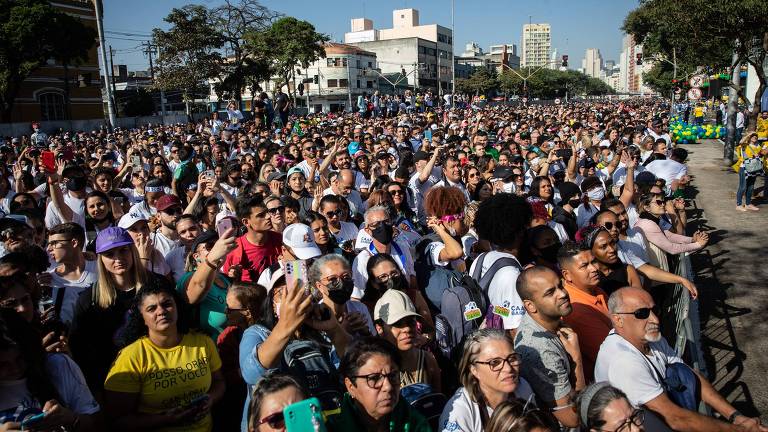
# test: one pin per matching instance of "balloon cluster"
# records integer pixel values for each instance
(684, 133)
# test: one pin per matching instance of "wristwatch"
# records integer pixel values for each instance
(733, 416)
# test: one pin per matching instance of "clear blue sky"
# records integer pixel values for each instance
(576, 24)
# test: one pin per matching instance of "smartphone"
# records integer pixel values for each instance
(49, 160)
(223, 225)
(428, 134)
(564, 154)
(297, 271)
(306, 415)
(33, 420)
(136, 163)
(209, 175)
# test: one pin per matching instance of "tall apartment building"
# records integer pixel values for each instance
(631, 74)
(424, 51)
(536, 45)
(592, 63)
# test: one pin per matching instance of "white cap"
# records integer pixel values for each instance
(605, 143)
(129, 219)
(300, 239)
(393, 306)
(433, 127)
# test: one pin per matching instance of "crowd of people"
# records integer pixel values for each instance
(447, 268)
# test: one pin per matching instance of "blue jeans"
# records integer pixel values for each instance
(746, 184)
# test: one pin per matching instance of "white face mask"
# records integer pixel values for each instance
(596, 194)
(508, 187)
(534, 162)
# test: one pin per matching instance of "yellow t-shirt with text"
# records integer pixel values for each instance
(166, 378)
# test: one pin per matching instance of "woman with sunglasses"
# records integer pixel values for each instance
(602, 407)
(269, 397)
(404, 217)
(472, 178)
(489, 371)
(614, 274)
(371, 372)
(276, 212)
(661, 240)
(166, 377)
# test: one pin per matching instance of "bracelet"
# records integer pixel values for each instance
(211, 265)
(733, 416)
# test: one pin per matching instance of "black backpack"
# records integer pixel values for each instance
(433, 279)
(309, 362)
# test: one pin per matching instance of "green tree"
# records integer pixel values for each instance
(483, 81)
(30, 34)
(242, 68)
(189, 51)
(708, 34)
(288, 43)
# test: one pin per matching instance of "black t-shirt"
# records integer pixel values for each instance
(281, 102)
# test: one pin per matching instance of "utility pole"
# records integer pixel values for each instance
(148, 52)
(439, 84)
(102, 47)
(112, 68)
(162, 92)
(453, 61)
(733, 108)
(349, 82)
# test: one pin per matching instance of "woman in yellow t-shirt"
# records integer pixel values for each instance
(168, 379)
(749, 148)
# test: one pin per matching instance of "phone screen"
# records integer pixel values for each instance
(428, 134)
(136, 163)
(49, 160)
(223, 225)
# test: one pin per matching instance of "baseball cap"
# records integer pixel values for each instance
(382, 155)
(204, 238)
(167, 201)
(129, 219)
(277, 175)
(111, 238)
(353, 147)
(393, 306)
(502, 172)
(420, 156)
(295, 170)
(645, 178)
(300, 239)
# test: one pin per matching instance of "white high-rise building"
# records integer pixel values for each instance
(592, 63)
(536, 45)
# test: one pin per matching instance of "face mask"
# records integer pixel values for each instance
(341, 291)
(200, 166)
(549, 253)
(574, 202)
(508, 187)
(393, 283)
(534, 162)
(596, 194)
(76, 184)
(383, 234)
(609, 158)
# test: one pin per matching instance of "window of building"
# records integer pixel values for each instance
(331, 62)
(332, 83)
(51, 106)
(343, 83)
(344, 62)
(369, 84)
(358, 83)
(370, 64)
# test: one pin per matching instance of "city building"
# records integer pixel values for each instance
(592, 63)
(497, 56)
(423, 52)
(43, 95)
(631, 73)
(536, 45)
(329, 84)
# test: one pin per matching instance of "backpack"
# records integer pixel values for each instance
(432, 279)
(492, 320)
(425, 401)
(309, 363)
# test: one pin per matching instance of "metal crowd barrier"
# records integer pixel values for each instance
(688, 326)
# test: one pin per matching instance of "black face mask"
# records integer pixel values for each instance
(393, 283)
(341, 291)
(574, 202)
(549, 253)
(383, 233)
(76, 184)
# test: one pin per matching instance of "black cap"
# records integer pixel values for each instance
(420, 156)
(277, 175)
(383, 155)
(502, 172)
(204, 238)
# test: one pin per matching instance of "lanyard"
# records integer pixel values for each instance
(398, 252)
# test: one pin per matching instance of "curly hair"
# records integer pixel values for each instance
(444, 200)
(502, 219)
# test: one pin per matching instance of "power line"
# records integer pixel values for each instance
(127, 33)
(126, 39)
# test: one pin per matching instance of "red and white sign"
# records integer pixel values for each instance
(698, 80)
(694, 93)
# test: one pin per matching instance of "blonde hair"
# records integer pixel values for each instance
(105, 292)
(472, 347)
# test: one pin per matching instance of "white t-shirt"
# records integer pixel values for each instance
(502, 290)
(584, 213)
(53, 216)
(632, 249)
(306, 169)
(360, 274)
(355, 201)
(559, 230)
(72, 288)
(163, 244)
(620, 174)
(462, 414)
(348, 231)
(420, 189)
(667, 169)
(629, 370)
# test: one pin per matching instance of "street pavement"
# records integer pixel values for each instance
(731, 275)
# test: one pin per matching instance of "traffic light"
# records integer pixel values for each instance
(639, 58)
(316, 79)
(565, 61)
(301, 89)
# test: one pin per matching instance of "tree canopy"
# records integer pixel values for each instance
(31, 33)
(544, 83)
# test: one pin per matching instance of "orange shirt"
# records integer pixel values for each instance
(591, 322)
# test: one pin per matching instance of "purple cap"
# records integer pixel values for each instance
(111, 238)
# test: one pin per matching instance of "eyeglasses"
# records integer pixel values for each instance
(275, 420)
(610, 225)
(387, 276)
(333, 280)
(642, 313)
(637, 418)
(173, 211)
(15, 233)
(14, 303)
(396, 192)
(276, 210)
(658, 202)
(374, 225)
(333, 214)
(376, 380)
(54, 243)
(496, 364)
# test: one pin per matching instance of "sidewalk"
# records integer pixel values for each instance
(731, 274)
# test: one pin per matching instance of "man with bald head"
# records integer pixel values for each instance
(549, 351)
(636, 359)
(343, 184)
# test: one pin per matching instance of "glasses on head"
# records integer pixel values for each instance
(376, 380)
(637, 418)
(275, 420)
(643, 313)
(496, 364)
(276, 210)
(387, 276)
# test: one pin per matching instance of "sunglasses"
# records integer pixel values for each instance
(643, 313)
(274, 420)
(276, 210)
(173, 211)
(333, 214)
(396, 192)
(610, 225)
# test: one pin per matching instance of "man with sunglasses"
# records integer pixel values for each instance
(635, 357)
(551, 360)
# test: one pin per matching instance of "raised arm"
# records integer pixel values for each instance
(57, 197)
(201, 281)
